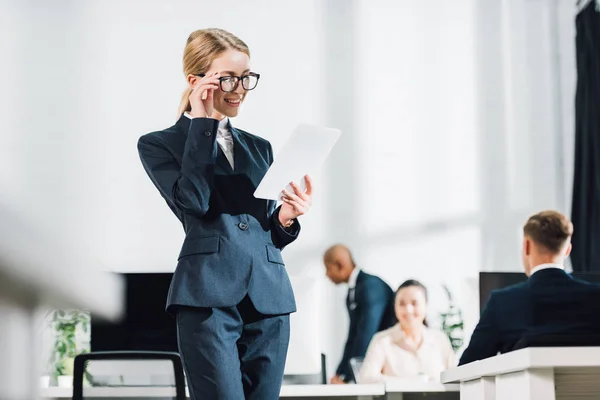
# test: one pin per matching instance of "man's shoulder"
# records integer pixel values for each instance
(511, 291)
(590, 286)
(367, 279)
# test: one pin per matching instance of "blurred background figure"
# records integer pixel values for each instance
(409, 349)
(369, 302)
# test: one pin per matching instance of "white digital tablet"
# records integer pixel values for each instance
(302, 154)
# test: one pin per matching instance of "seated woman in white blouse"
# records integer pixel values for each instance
(409, 349)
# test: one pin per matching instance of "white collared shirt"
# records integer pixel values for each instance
(352, 283)
(353, 277)
(224, 138)
(545, 266)
(389, 359)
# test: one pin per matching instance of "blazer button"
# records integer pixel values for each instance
(243, 226)
(207, 134)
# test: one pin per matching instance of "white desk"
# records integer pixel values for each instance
(531, 374)
(402, 390)
(362, 392)
(392, 391)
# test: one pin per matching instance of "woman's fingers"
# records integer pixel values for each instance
(204, 85)
(298, 208)
(201, 88)
(309, 185)
(303, 195)
(293, 196)
(299, 201)
(201, 96)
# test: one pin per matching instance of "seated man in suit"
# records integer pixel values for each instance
(550, 302)
(370, 303)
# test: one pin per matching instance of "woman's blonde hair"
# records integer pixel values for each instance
(202, 48)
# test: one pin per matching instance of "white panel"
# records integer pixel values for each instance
(304, 353)
(417, 138)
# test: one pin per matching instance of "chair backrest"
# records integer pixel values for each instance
(355, 364)
(82, 359)
(323, 369)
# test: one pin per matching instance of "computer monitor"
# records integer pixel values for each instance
(489, 281)
(145, 325)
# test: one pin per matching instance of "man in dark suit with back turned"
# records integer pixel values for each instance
(549, 302)
(370, 304)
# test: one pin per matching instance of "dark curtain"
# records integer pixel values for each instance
(586, 182)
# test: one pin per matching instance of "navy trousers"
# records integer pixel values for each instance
(233, 353)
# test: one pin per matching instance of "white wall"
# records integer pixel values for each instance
(455, 139)
(449, 112)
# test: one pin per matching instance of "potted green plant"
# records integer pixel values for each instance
(66, 325)
(452, 322)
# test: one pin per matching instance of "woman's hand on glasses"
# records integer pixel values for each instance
(202, 95)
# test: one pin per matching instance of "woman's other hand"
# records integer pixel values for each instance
(295, 204)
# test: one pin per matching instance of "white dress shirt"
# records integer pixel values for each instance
(352, 283)
(388, 358)
(224, 138)
(545, 266)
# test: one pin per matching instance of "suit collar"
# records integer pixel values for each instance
(549, 273)
(546, 266)
(225, 125)
(241, 152)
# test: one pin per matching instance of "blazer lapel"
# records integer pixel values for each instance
(242, 159)
(222, 161)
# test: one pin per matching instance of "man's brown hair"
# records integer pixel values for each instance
(549, 229)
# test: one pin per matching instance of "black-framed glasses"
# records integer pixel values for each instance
(230, 83)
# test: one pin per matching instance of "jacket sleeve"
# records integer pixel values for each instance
(186, 187)
(280, 236)
(485, 340)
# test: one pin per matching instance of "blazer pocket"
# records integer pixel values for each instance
(274, 255)
(201, 245)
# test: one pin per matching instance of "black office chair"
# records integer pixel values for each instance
(558, 340)
(355, 365)
(323, 369)
(82, 359)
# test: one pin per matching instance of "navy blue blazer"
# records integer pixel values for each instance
(372, 311)
(549, 302)
(233, 241)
